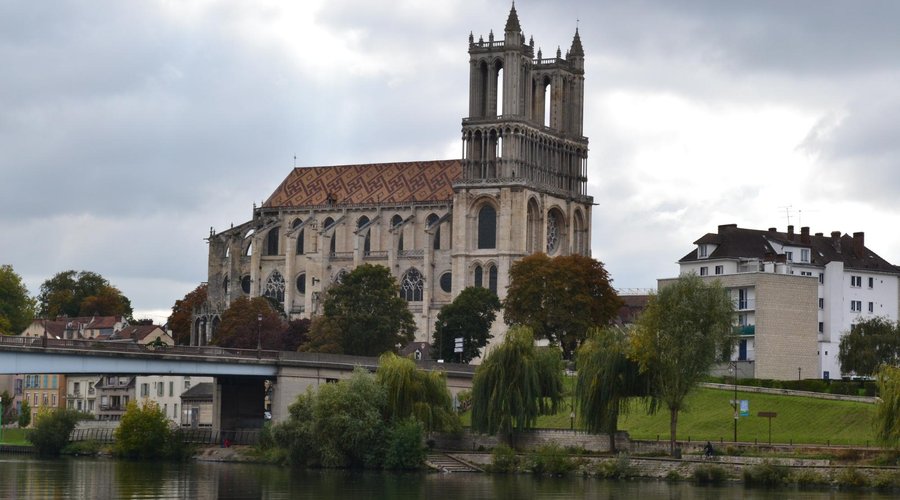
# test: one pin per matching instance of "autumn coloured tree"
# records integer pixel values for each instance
(180, 319)
(560, 298)
(81, 293)
(468, 317)
(247, 322)
(16, 306)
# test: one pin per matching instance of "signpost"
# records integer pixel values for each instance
(770, 415)
(458, 347)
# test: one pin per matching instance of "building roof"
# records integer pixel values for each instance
(137, 333)
(200, 392)
(733, 242)
(406, 182)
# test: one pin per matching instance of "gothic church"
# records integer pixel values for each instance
(439, 226)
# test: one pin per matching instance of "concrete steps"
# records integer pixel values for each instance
(446, 463)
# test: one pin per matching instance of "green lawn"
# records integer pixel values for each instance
(13, 436)
(710, 417)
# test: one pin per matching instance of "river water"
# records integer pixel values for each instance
(28, 477)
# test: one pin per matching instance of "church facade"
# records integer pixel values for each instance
(439, 226)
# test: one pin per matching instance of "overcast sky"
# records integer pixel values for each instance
(128, 129)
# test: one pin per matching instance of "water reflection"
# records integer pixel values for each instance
(26, 477)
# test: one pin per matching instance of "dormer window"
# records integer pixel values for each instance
(804, 255)
(702, 251)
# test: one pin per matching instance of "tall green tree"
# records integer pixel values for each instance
(24, 414)
(869, 344)
(469, 317)
(241, 327)
(887, 409)
(415, 393)
(16, 306)
(684, 331)
(73, 293)
(560, 298)
(143, 432)
(514, 384)
(180, 319)
(364, 314)
(608, 381)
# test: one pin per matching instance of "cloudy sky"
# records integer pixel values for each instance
(128, 129)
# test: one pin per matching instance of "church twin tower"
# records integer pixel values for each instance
(439, 226)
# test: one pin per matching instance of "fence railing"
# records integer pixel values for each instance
(188, 435)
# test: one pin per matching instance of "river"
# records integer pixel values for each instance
(28, 477)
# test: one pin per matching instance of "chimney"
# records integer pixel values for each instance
(773, 229)
(790, 233)
(724, 228)
(836, 240)
(819, 235)
(859, 244)
(804, 235)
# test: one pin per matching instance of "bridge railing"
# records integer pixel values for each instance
(128, 346)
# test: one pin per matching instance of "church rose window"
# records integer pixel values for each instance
(412, 285)
(447, 282)
(552, 232)
(339, 277)
(487, 227)
(275, 286)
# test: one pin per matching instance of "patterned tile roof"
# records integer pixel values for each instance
(372, 183)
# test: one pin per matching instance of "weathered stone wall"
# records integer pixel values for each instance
(529, 440)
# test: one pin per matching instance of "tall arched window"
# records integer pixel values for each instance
(245, 284)
(412, 285)
(487, 227)
(225, 284)
(367, 241)
(296, 223)
(275, 286)
(492, 278)
(396, 220)
(431, 219)
(479, 281)
(272, 241)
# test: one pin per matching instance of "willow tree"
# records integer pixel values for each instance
(416, 393)
(607, 382)
(887, 410)
(684, 331)
(514, 384)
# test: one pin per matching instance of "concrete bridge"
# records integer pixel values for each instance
(239, 395)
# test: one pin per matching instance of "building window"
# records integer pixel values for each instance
(856, 281)
(171, 389)
(447, 282)
(704, 271)
(871, 282)
(553, 232)
(871, 307)
(804, 255)
(821, 303)
(145, 390)
(492, 278)
(789, 256)
(301, 283)
(487, 227)
(412, 285)
(160, 389)
(275, 286)
(429, 221)
(855, 306)
(822, 278)
(272, 241)
(720, 269)
(245, 284)
(821, 327)
(478, 276)
(187, 384)
(701, 251)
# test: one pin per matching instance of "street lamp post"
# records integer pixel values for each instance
(258, 336)
(736, 403)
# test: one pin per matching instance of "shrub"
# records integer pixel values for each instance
(24, 415)
(808, 477)
(851, 477)
(709, 474)
(143, 432)
(405, 450)
(52, 430)
(620, 468)
(887, 480)
(673, 475)
(551, 459)
(766, 474)
(887, 458)
(504, 459)
(90, 447)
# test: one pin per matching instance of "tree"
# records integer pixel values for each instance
(366, 311)
(84, 293)
(561, 298)
(24, 414)
(887, 409)
(16, 306)
(685, 329)
(295, 334)
(143, 432)
(415, 393)
(869, 344)
(514, 384)
(606, 381)
(241, 329)
(6, 410)
(325, 336)
(180, 319)
(52, 430)
(469, 317)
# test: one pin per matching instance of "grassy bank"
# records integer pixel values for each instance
(14, 436)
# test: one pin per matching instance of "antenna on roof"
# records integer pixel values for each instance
(787, 213)
(295, 161)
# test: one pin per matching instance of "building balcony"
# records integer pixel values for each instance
(745, 330)
(744, 304)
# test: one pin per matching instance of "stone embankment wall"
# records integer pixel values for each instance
(528, 440)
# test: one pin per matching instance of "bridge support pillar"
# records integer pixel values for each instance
(238, 403)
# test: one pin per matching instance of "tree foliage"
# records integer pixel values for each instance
(469, 317)
(24, 414)
(143, 432)
(72, 293)
(16, 306)
(560, 298)
(515, 383)
(887, 409)
(684, 331)
(363, 315)
(180, 319)
(241, 329)
(418, 394)
(52, 429)
(607, 381)
(869, 344)
(6, 409)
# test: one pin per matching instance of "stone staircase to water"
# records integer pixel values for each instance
(446, 463)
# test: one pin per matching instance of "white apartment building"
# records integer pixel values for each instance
(777, 278)
(166, 391)
(81, 393)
